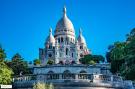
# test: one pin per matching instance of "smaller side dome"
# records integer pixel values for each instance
(50, 39)
(81, 39)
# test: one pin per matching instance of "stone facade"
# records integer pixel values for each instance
(76, 69)
(63, 46)
(65, 51)
(66, 72)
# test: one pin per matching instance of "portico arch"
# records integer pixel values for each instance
(83, 71)
(50, 72)
(66, 72)
(51, 75)
(82, 74)
(67, 75)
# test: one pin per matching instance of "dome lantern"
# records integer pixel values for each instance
(64, 11)
(50, 30)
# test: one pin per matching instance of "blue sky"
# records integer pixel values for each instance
(24, 24)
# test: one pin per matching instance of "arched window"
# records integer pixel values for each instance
(67, 51)
(67, 40)
(81, 55)
(72, 54)
(50, 55)
(61, 39)
(81, 47)
(58, 40)
(50, 46)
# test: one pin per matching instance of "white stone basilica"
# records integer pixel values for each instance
(63, 47)
(64, 50)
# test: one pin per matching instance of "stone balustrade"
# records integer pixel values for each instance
(59, 76)
(24, 78)
(92, 79)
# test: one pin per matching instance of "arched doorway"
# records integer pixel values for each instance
(50, 75)
(68, 75)
(82, 75)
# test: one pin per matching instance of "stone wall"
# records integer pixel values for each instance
(92, 69)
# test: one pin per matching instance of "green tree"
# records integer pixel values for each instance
(41, 85)
(130, 57)
(5, 71)
(130, 73)
(91, 62)
(2, 53)
(98, 58)
(116, 56)
(37, 62)
(131, 35)
(18, 65)
(122, 57)
(88, 59)
(50, 62)
(108, 56)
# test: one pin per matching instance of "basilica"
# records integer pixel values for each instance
(64, 47)
(64, 50)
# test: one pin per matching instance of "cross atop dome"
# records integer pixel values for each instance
(80, 31)
(64, 10)
(50, 30)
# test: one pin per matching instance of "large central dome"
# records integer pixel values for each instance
(64, 26)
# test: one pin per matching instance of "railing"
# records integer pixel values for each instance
(81, 76)
(101, 80)
(25, 78)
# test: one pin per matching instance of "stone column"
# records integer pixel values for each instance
(76, 76)
(111, 78)
(60, 76)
